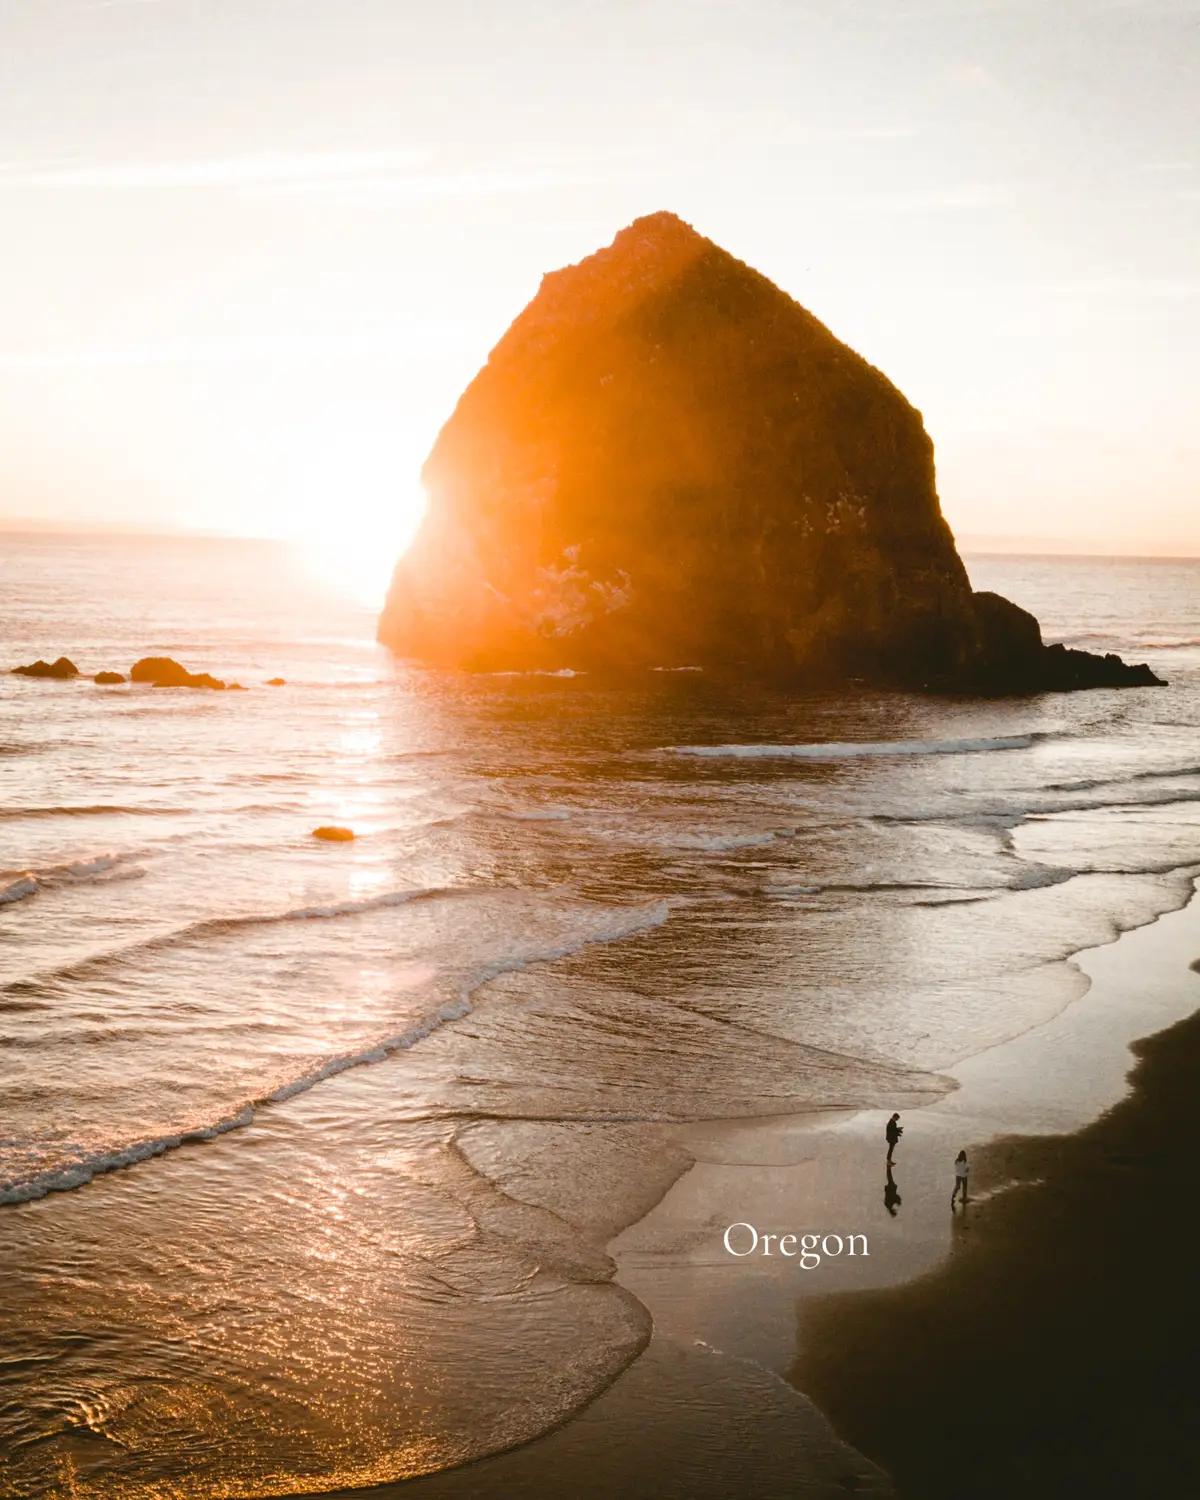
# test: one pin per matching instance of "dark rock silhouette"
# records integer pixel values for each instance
(333, 834)
(668, 462)
(164, 671)
(62, 669)
(277, 682)
(108, 679)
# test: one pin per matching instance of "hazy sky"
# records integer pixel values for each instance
(253, 249)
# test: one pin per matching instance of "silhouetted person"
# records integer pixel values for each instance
(891, 1194)
(893, 1132)
(962, 1171)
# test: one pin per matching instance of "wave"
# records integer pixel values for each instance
(538, 672)
(1095, 783)
(533, 814)
(1128, 645)
(834, 750)
(1027, 878)
(215, 926)
(1066, 797)
(100, 868)
(96, 810)
(722, 841)
(80, 1172)
(17, 890)
(626, 922)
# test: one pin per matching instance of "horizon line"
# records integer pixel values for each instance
(970, 545)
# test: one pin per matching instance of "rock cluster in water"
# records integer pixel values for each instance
(667, 462)
(158, 671)
(164, 671)
(61, 670)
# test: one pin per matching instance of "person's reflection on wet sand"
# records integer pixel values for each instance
(891, 1194)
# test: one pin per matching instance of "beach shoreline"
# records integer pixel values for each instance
(1053, 1352)
(757, 1326)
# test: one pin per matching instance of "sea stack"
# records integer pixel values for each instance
(667, 462)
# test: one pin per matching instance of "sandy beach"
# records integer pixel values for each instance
(1035, 1344)
(1053, 1352)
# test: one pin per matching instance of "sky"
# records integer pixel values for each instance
(253, 250)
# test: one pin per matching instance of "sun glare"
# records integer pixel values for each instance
(356, 558)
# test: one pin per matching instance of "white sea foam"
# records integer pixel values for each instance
(332, 909)
(99, 868)
(538, 672)
(854, 749)
(79, 1173)
(721, 841)
(535, 814)
(17, 890)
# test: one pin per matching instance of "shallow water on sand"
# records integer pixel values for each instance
(421, 1079)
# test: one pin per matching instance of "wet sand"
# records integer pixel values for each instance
(1057, 1353)
(1044, 1343)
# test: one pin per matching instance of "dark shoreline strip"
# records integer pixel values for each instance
(1057, 1351)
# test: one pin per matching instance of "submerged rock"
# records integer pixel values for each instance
(333, 833)
(108, 679)
(665, 462)
(62, 669)
(164, 671)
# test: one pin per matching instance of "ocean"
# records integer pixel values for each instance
(310, 1152)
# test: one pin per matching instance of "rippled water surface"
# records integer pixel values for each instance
(383, 1103)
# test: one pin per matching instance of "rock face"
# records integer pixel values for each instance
(668, 462)
(62, 669)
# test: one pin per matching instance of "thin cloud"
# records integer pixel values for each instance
(413, 188)
(969, 196)
(368, 177)
(397, 339)
(266, 170)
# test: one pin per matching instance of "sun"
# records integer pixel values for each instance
(355, 552)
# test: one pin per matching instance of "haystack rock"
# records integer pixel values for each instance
(667, 462)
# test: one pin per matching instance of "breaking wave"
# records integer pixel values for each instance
(854, 749)
(625, 922)
(98, 810)
(102, 867)
(215, 926)
(538, 672)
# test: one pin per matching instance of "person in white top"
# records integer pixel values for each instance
(961, 1172)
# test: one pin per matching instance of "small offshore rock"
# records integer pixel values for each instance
(277, 682)
(62, 669)
(164, 671)
(333, 834)
(108, 679)
(236, 687)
